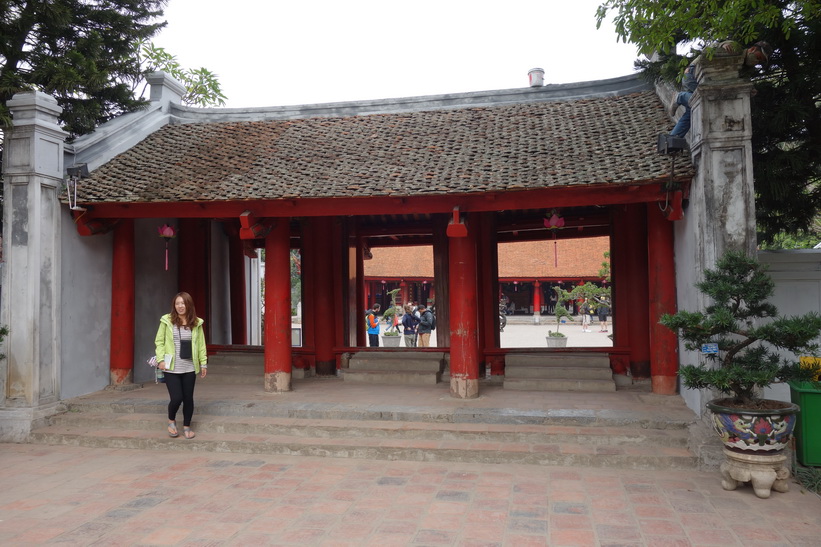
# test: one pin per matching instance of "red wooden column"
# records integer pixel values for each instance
(278, 307)
(121, 362)
(635, 249)
(194, 272)
(325, 299)
(236, 271)
(361, 295)
(488, 271)
(464, 339)
(404, 292)
(621, 307)
(662, 299)
(537, 298)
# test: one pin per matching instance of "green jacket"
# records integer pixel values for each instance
(164, 343)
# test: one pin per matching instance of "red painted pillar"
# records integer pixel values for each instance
(361, 295)
(121, 363)
(620, 363)
(236, 271)
(322, 308)
(537, 298)
(464, 340)
(194, 272)
(662, 299)
(278, 307)
(635, 224)
(488, 271)
(403, 292)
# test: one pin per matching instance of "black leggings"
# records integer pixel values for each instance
(181, 390)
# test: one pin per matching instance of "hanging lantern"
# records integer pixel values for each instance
(167, 233)
(554, 223)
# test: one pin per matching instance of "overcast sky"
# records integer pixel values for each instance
(315, 51)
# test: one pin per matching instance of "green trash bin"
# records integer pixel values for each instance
(808, 426)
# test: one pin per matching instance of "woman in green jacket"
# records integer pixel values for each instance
(181, 355)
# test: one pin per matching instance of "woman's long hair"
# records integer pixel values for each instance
(190, 312)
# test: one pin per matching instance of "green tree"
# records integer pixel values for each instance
(82, 52)
(786, 108)
(202, 86)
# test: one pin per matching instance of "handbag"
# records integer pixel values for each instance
(186, 351)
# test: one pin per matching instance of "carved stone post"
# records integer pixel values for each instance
(33, 174)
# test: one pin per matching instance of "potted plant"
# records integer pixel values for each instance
(739, 334)
(391, 338)
(557, 339)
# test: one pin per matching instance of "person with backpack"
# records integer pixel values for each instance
(427, 323)
(372, 323)
(409, 323)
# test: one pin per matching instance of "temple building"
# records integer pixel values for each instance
(100, 233)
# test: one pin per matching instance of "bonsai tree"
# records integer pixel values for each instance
(560, 311)
(390, 314)
(747, 330)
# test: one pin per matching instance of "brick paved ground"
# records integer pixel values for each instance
(53, 495)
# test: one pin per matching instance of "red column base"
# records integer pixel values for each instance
(664, 385)
(121, 376)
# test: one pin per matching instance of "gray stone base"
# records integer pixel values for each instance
(17, 423)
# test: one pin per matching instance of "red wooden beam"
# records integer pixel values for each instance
(554, 197)
(252, 228)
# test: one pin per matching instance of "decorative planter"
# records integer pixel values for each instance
(556, 341)
(391, 341)
(765, 431)
(808, 426)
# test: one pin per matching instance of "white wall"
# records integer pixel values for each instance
(85, 309)
(797, 276)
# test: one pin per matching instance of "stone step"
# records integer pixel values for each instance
(392, 361)
(276, 408)
(256, 369)
(237, 358)
(330, 428)
(396, 377)
(559, 384)
(480, 443)
(581, 373)
(571, 359)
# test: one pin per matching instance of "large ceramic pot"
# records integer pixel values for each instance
(556, 341)
(765, 431)
(391, 341)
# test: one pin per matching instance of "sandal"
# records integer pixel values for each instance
(188, 433)
(172, 430)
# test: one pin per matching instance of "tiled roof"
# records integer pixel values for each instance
(570, 258)
(608, 140)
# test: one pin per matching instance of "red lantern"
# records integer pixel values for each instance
(167, 233)
(555, 222)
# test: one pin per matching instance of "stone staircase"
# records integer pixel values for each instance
(400, 368)
(572, 371)
(380, 432)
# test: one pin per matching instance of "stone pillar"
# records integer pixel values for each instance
(721, 211)
(33, 176)
(722, 197)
